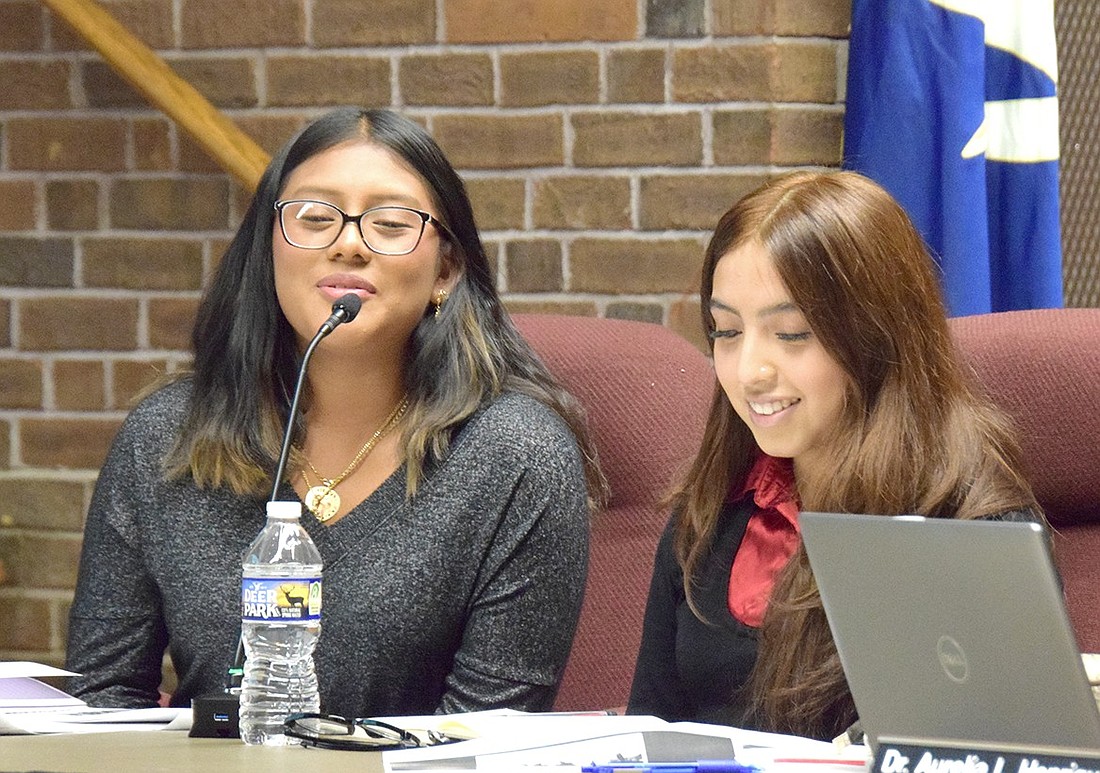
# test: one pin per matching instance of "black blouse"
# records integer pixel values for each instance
(687, 669)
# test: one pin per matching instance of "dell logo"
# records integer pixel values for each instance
(952, 659)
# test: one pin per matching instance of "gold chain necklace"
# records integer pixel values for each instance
(322, 499)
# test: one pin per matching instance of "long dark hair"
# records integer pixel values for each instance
(916, 435)
(246, 354)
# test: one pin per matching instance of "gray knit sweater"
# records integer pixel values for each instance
(463, 598)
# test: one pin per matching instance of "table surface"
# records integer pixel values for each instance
(167, 751)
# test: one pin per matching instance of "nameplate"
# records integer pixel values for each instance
(920, 758)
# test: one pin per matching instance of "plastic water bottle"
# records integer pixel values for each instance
(280, 624)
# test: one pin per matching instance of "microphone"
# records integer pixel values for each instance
(215, 716)
(344, 310)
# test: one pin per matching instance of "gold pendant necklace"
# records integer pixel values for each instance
(322, 499)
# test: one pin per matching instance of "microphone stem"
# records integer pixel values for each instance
(292, 415)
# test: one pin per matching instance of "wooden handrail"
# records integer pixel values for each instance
(234, 150)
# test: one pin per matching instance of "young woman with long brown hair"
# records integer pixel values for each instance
(839, 389)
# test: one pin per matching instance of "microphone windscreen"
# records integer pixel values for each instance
(350, 304)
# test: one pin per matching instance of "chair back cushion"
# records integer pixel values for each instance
(1043, 368)
(646, 392)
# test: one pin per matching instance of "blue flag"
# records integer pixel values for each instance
(952, 107)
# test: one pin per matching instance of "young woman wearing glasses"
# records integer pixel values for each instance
(448, 477)
(839, 390)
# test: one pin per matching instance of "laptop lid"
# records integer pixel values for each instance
(952, 631)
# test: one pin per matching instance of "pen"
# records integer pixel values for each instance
(702, 766)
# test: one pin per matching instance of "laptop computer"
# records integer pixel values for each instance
(952, 632)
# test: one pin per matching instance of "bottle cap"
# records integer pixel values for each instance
(284, 510)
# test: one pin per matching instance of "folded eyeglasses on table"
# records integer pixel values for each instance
(328, 731)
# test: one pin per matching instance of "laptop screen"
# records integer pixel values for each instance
(952, 631)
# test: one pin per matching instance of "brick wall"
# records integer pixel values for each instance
(600, 140)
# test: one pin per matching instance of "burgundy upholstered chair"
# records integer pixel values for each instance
(646, 391)
(1043, 367)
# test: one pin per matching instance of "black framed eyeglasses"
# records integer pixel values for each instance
(328, 731)
(390, 230)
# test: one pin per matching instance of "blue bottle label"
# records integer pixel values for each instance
(282, 598)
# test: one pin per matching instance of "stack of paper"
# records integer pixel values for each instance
(516, 741)
(31, 707)
(20, 689)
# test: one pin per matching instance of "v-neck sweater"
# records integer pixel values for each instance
(461, 598)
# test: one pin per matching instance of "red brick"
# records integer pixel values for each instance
(500, 141)
(41, 504)
(72, 205)
(497, 202)
(523, 305)
(152, 144)
(18, 200)
(21, 386)
(804, 137)
(66, 323)
(243, 23)
(382, 22)
(805, 72)
(34, 85)
(170, 204)
(720, 73)
(549, 77)
(79, 385)
(61, 144)
(170, 323)
(534, 266)
(41, 560)
(143, 264)
(194, 158)
(446, 79)
(675, 18)
(691, 201)
(21, 26)
(742, 137)
(783, 136)
(637, 139)
(150, 21)
(514, 21)
(271, 132)
(130, 379)
(638, 312)
(5, 323)
(788, 71)
(5, 458)
(582, 202)
(74, 444)
(26, 623)
(789, 18)
(635, 266)
(636, 75)
(228, 82)
(105, 88)
(32, 262)
(306, 81)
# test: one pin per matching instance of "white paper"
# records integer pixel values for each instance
(86, 719)
(13, 668)
(20, 689)
(564, 743)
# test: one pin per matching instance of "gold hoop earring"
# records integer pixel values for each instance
(440, 297)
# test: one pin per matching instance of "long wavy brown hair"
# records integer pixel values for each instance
(916, 434)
